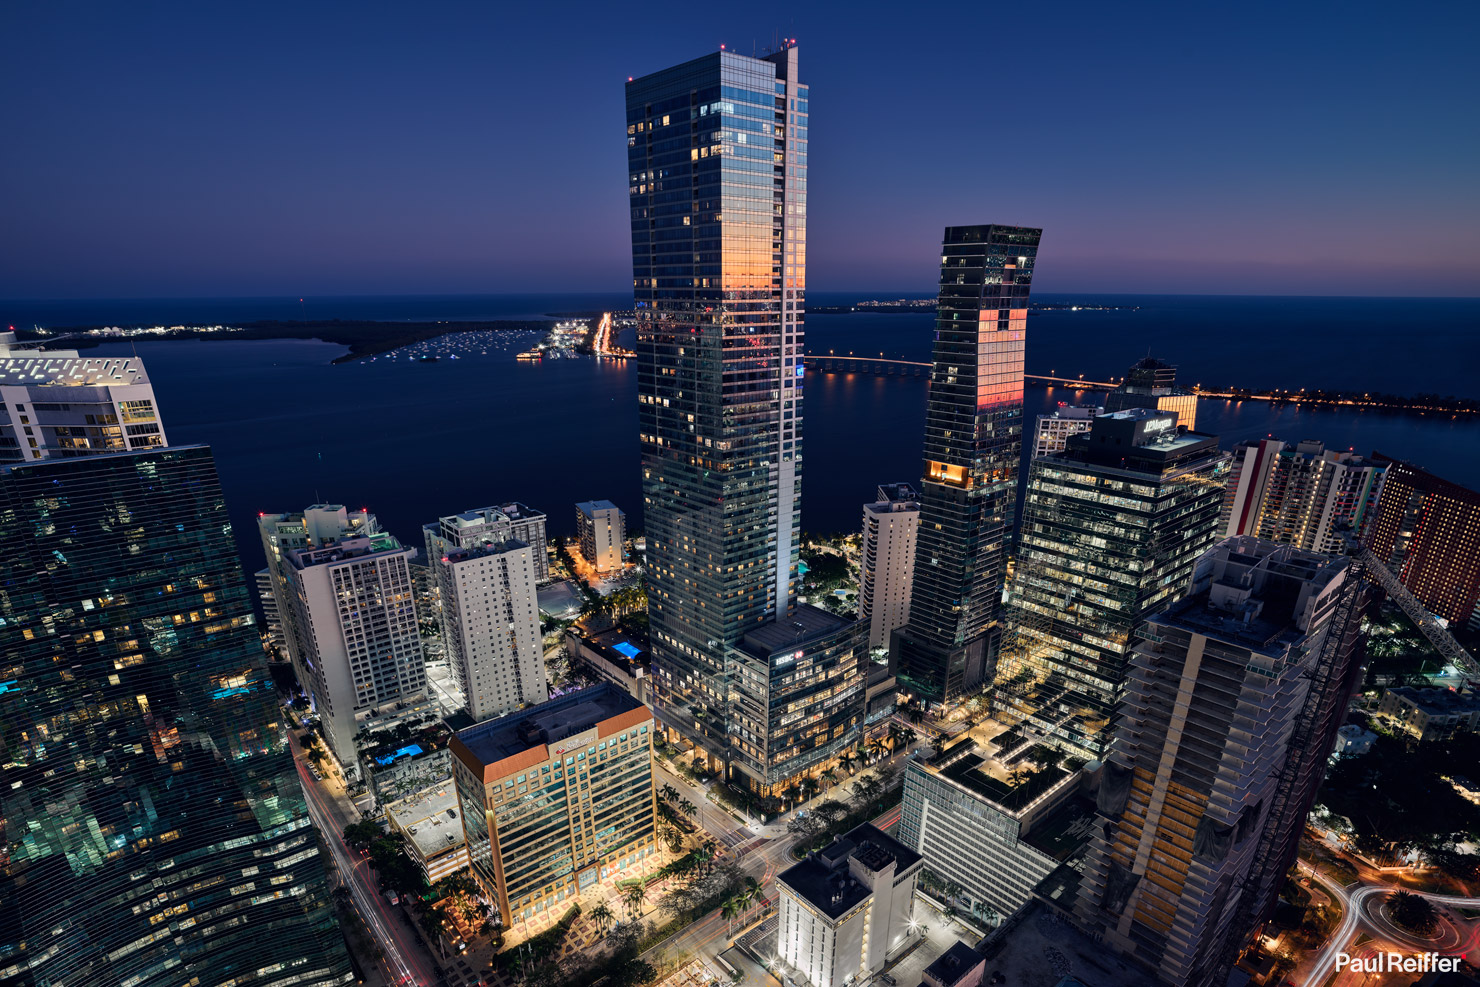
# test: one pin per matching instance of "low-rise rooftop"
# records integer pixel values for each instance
(1437, 701)
(953, 966)
(431, 819)
(1041, 949)
(825, 880)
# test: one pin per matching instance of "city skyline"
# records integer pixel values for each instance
(200, 152)
(1120, 704)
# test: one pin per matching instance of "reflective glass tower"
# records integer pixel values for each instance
(717, 162)
(155, 832)
(973, 440)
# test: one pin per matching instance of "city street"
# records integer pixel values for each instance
(715, 820)
(403, 960)
(1362, 913)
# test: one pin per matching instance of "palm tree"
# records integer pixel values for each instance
(633, 895)
(431, 924)
(830, 775)
(791, 793)
(847, 761)
(1412, 912)
(688, 808)
(603, 917)
(668, 792)
(875, 749)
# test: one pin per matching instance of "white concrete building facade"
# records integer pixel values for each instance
(491, 525)
(56, 403)
(887, 574)
(344, 596)
(602, 529)
(1053, 431)
(847, 908)
(491, 626)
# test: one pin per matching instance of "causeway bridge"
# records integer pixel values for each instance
(883, 367)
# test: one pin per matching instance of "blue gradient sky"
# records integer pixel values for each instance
(311, 149)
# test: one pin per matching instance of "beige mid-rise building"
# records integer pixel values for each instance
(602, 528)
(557, 799)
(491, 626)
(887, 573)
(344, 597)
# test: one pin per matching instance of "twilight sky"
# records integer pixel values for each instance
(264, 148)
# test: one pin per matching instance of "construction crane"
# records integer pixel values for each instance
(1372, 568)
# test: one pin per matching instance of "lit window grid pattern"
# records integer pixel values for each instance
(793, 711)
(532, 834)
(491, 627)
(62, 420)
(970, 843)
(156, 828)
(1428, 531)
(718, 227)
(973, 441)
(1098, 549)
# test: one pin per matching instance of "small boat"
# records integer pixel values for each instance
(427, 359)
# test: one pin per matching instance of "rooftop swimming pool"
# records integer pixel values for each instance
(627, 648)
(410, 750)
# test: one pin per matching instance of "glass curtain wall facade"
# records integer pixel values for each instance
(155, 828)
(973, 441)
(717, 156)
(1111, 530)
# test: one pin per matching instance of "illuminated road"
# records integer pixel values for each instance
(1361, 912)
(400, 956)
(725, 828)
(710, 936)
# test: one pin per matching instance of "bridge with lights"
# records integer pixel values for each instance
(880, 366)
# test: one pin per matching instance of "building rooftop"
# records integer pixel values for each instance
(65, 368)
(1438, 701)
(431, 819)
(590, 507)
(346, 549)
(1253, 593)
(894, 493)
(1076, 412)
(620, 647)
(1021, 952)
(484, 550)
(496, 739)
(824, 879)
(1064, 833)
(802, 626)
(953, 966)
(966, 764)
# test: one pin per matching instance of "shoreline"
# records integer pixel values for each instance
(362, 337)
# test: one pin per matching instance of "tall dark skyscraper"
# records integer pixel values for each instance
(717, 162)
(155, 831)
(973, 440)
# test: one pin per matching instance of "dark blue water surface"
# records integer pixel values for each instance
(412, 441)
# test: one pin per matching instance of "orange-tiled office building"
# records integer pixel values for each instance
(556, 798)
